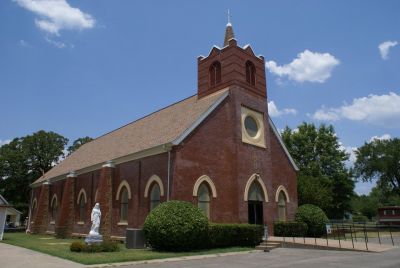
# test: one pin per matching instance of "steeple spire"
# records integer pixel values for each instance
(228, 31)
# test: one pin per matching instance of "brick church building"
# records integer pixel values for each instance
(217, 149)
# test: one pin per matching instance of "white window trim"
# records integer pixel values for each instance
(204, 178)
(52, 200)
(128, 188)
(282, 188)
(255, 177)
(259, 139)
(81, 192)
(156, 179)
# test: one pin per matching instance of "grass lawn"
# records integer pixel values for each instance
(60, 248)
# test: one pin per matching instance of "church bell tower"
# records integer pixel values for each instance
(231, 65)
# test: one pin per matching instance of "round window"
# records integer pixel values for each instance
(251, 126)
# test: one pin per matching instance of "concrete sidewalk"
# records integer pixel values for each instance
(17, 257)
(322, 243)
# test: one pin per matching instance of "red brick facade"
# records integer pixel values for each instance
(214, 148)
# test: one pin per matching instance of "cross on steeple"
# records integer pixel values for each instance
(228, 31)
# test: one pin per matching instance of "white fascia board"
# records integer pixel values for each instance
(3, 200)
(278, 136)
(201, 118)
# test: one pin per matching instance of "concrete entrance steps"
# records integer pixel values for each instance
(321, 243)
(269, 245)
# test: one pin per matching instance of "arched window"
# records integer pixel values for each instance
(215, 73)
(250, 73)
(204, 199)
(33, 209)
(282, 206)
(54, 208)
(124, 205)
(82, 208)
(154, 196)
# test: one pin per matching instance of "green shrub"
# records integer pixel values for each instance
(315, 219)
(232, 235)
(106, 246)
(359, 218)
(290, 228)
(77, 246)
(109, 246)
(176, 226)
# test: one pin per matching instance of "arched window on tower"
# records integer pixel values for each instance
(204, 199)
(124, 205)
(250, 73)
(215, 73)
(154, 196)
(282, 206)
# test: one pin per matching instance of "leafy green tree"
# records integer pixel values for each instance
(78, 143)
(380, 160)
(24, 160)
(323, 179)
(313, 190)
(368, 205)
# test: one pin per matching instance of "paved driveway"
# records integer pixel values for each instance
(16, 257)
(286, 257)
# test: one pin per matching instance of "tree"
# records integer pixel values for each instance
(24, 160)
(78, 143)
(380, 160)
(368, 205)
(323, 179)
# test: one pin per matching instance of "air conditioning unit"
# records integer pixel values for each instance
(135, 238)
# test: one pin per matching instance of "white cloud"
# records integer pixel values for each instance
(307, 67)
(381, 110)
(351, 152)
(273, 111)
(2, 142)
(384, 48)
(57, 44)
(56, 15)
(383, 137)
(24, 43)
(324, 114)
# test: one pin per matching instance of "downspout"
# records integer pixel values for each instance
(168, 148)
(169, 172)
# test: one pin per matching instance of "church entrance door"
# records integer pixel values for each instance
(255, 209)
(255, 204)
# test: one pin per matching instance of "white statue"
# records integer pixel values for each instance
(95, 218)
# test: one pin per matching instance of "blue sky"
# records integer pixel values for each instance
(83, 68)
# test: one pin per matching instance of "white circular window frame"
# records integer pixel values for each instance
(259, 138)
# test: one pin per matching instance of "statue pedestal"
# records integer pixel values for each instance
(93, 239)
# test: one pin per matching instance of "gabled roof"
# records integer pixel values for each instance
(161, 129)
(278, 136)
(3, 201)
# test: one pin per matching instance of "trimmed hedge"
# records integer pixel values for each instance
(176, 226)
(181, 226)
(106, 246)
(233, 235)
(290, 228)
(315, 219)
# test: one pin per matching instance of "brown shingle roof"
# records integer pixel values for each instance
(162, 127)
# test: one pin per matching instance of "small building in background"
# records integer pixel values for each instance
(8, 216)
(389, 215)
